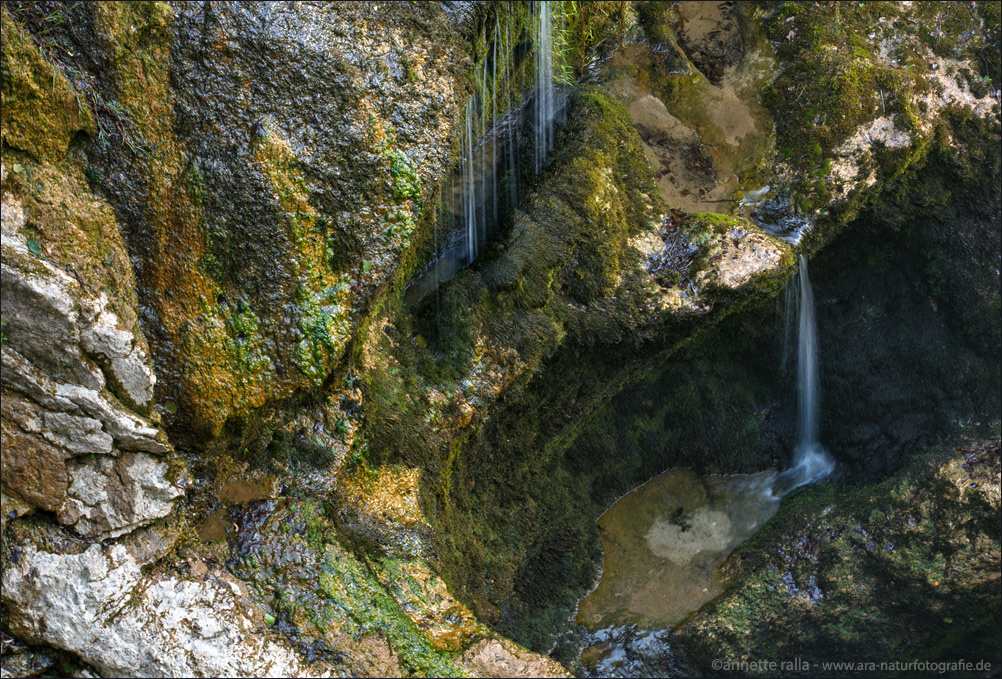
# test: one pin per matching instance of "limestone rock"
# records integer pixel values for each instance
(98, 605)
(119, 355)
(63, 430)
(33, 469)
(111, 496)
(497, 657)
(43, 317)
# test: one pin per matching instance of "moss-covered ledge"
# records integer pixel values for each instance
(566, 301)
(865, 91)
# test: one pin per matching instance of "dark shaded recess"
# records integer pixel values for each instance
(908, 310)
(517, 530)
(908, 315)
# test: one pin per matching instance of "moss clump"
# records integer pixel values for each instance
(41, 110)
(571, 246)
(843, 65)
(406, 183)
(829, 82)
(701, 226)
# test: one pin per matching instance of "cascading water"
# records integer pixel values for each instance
(485, 184)
(545, 100)
(810, 460)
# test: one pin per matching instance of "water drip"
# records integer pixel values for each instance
(810, 459)
(545, 99)
(478, 202)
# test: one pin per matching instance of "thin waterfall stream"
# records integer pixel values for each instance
(546, 108)
(484, 188)
(810, 459)
(665, 542)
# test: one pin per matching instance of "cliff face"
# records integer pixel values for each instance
(233, 445)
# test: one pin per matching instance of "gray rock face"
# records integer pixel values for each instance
(99, 605)
(110, 495)
(70, 446)
(121, 358)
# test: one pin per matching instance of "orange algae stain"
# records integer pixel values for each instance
(391, 493)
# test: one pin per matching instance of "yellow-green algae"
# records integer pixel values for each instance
(41, 112)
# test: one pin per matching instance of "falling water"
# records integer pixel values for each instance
(485, 182)
(545, 100)
(470, 194)
(810, 460)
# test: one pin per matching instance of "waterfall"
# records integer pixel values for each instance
(810, 459)
(807, 362)
(485, 181)
(470, 185)
(545, 100)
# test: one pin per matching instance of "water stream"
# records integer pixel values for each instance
(485, 182)
(546, 108)
(810, 459)
(664, 544)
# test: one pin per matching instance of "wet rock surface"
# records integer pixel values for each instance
(287, 122)
(211, 212)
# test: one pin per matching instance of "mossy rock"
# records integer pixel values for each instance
(877, 573)
(41, 110)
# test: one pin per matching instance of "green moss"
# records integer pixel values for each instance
(830, 82)
(703, 225)
(40, 109)
(406, 183)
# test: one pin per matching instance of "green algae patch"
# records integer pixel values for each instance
(321, 295)
(426, 601)
(362, 606)
(317, 590)
(879, 573)
(41, 112)
(406, 182)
